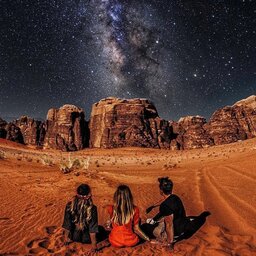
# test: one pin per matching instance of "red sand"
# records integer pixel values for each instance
(219, 179)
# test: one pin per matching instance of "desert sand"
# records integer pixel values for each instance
(221, 179)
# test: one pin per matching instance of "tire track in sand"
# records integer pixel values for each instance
(223, 204)
(241, 173)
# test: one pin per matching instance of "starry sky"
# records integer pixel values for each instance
(187, 56)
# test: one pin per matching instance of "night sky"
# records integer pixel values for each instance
(189, 57)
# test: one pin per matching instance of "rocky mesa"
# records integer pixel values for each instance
(118, 122)
(126, 123)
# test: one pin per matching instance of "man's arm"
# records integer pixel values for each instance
(158, 216)
(169, 228)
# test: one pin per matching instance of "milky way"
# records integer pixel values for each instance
(188, 57)
(131, 48)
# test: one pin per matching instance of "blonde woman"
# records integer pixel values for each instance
(81, 219)
(124, 219)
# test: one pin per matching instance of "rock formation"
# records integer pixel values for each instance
(65, 129)
(3, 131)
(32, 131)
(118, 122)
(233, 123)
(162, 131)
(191, 133)
(132, 122)
(249, 102)
(13, 133)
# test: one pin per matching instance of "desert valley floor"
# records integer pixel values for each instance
(221, 179)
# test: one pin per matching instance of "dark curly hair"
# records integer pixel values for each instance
(166, 185)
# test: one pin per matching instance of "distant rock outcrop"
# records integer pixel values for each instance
(33, 131)
(66, 129)
(233, 123)
(191, 133)
(118, 122)
(163, 132)
(13, 133)
(3, 131)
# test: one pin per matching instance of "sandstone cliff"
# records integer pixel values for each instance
(233, 123)
(118, 122)
(65, 129)
(191, 133)
(33, 131)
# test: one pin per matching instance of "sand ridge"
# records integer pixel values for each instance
(221, 179)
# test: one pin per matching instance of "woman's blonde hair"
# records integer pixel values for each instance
(123, 210)
(81, 207)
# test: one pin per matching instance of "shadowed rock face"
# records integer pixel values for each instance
(191, 133)
(125, 123)
(231, 124)
(3, 131)
(14, 133)
(32, 131)
(246, 115)
(65, 129)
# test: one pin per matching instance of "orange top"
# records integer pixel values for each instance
(123, 235)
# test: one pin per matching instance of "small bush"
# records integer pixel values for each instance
(65, 169)
(74, 164)
(46, 161)
(2, 155)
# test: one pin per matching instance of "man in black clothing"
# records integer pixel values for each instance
(171, 223)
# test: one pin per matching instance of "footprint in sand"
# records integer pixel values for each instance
(25, 216)
(50, 230)
(29, 207)
(55, 237)
(50, 204)
(37, 251)
(39, 246)
(36, 241)
(44, 244)
(4, 218)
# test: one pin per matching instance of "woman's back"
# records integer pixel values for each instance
(77, 234)
(81, 218)
(123, 234)
(125, 219)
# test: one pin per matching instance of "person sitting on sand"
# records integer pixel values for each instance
(81, 218)
(171, 223)
(124, 219)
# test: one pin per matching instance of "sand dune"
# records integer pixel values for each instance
(221, 179)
